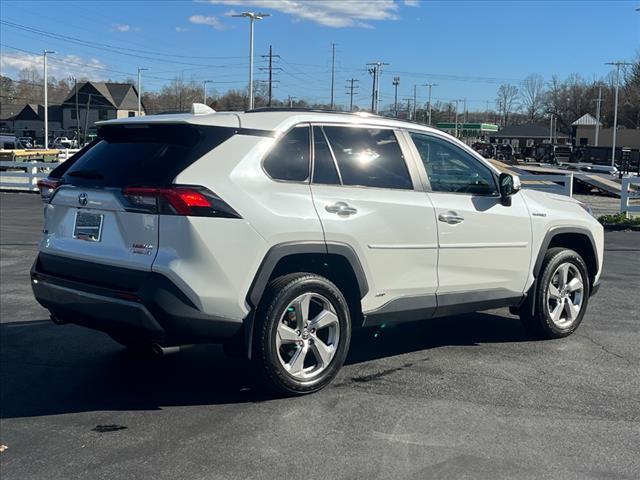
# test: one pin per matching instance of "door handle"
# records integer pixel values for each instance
(451, 218)
(341, 208)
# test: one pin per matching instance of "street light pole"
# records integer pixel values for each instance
(46, 101)
(456, 130)
(615, 109)
(140, 70)
(430, 85)
(204, 90)
(598, 114)
(252, 16)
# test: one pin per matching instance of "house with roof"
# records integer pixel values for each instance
(528, 135)
(29, 122)
(583, 133)
(583, 130)
(97, 101)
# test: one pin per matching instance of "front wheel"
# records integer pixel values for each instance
(561, 296)
(302, 333)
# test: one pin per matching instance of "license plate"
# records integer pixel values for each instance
(88, 226)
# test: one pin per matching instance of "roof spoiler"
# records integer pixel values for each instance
(201, 109)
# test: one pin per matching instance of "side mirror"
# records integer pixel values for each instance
(509, 185)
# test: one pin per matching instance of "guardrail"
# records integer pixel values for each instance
(550, 183)
(67, 153)
(21, 180)
(626, 195)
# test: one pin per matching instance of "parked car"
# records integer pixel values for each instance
(279, 232)
(27, 142)
(10, 142)
(64, 142)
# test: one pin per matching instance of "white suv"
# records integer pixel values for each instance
(280, 231)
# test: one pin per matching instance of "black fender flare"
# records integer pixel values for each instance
(544, 246)
(282, 250)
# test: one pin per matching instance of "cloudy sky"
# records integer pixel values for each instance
(467, 48)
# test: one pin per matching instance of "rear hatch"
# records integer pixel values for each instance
(106, 207)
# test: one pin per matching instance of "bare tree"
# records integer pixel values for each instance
(506, 101)
(533, 95)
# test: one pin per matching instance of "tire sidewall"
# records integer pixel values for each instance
(280, 300)
(562, 256)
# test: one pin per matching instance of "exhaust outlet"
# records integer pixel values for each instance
(164, 351)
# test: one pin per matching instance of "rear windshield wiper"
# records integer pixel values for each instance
(92, 174)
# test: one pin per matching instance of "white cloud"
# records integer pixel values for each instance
(330, 13)
(59, 66)
(207, 20)
(182, 29)
(412, 3)
(124, 27)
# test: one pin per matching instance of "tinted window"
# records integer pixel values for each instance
(126, 155)
(451, 169)
(369, 157)
(324, 168)
(289, 159)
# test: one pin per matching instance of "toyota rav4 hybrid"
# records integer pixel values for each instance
(279, 232)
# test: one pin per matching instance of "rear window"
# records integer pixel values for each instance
(139, 155)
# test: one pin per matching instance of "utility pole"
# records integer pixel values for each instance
(375, 71)
(75, 89)
(551, 129)
(140, 70)
(415, 101)
(291, 99)
(86, 119)
(464, 117)
(486, 113)
(456, 129)
(615, 108)
(204, 90)
(351, 88)
(408, 99)
(271, 68)
(46, 101)
(599, 101)
(430, 85)
(396, 82)
(252, 16)
(333, 72)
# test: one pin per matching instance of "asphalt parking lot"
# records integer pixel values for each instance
(455, 398)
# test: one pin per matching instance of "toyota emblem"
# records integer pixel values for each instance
(83, 199)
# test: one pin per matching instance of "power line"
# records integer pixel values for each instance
(352, 88)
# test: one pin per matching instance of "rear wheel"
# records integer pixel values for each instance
(302, 333)
(561, 296)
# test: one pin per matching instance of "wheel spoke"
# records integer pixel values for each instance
(557, 311)
(322, 351)
(564, 274)
(572, 309)
(302, 310)
(324, 319)
(575, 284)
(286, 334)
(553, 291)
(296, 364)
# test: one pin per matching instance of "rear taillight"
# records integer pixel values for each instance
(179, 200)
(47, 187)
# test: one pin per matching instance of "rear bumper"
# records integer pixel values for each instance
(124, 302)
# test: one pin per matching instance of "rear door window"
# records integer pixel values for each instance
(140, 155)
(289, 158)
(369, 157)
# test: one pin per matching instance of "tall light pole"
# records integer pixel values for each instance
(615, 109)
(46, 100)
(333, 72)
(396, 82)
(140, 70)
(204, 90)
(430, 85)
(252, 16)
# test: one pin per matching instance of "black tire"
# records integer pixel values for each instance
(265, 355)
(534, 313)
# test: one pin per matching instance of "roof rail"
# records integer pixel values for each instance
(303, 109)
